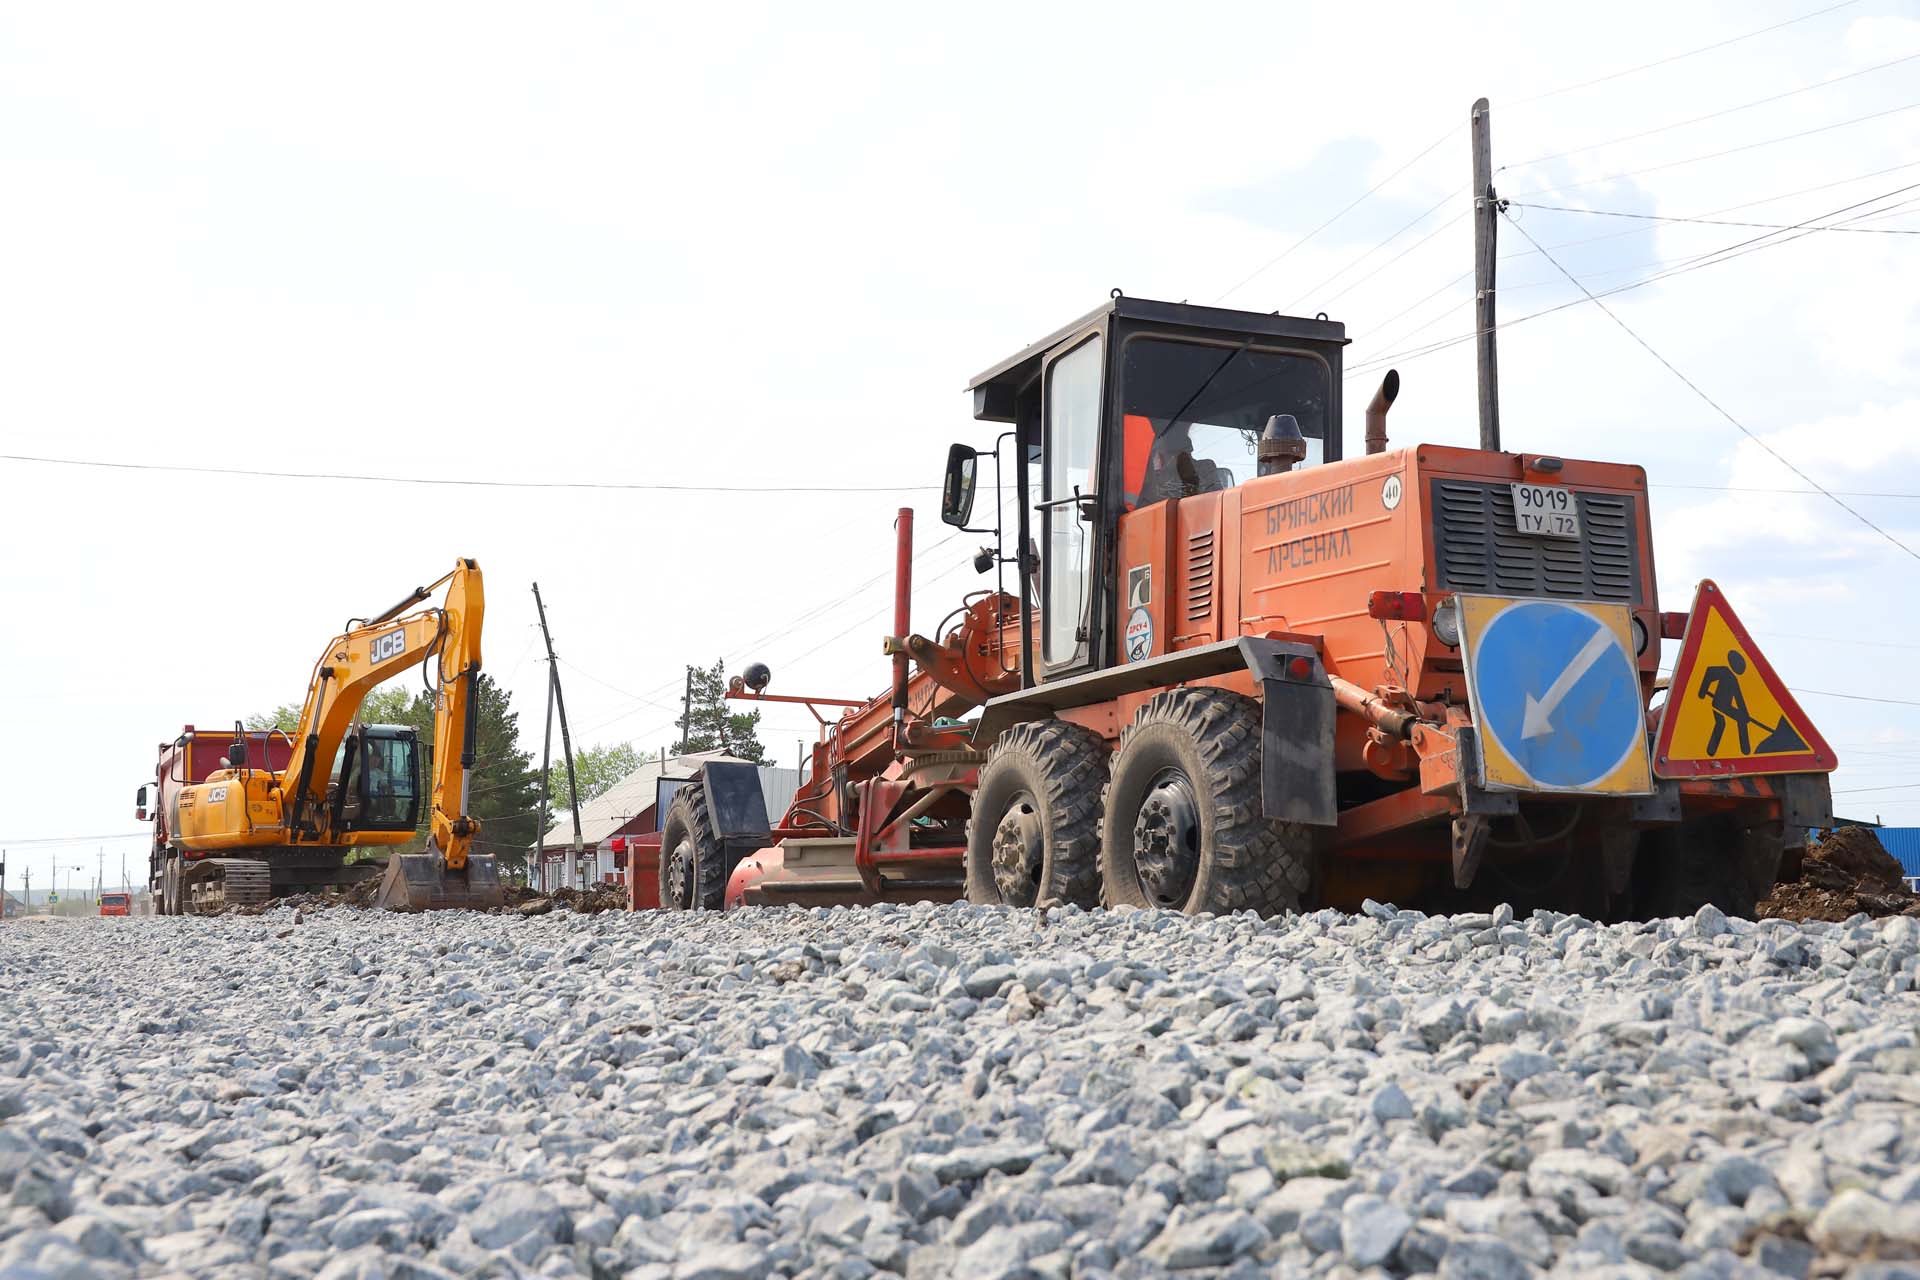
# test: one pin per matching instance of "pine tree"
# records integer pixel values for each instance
(713, 726)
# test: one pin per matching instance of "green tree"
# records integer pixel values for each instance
(714, 727)
(595, 768)
(391, 703)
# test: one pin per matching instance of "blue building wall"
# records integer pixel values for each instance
(1904, 844)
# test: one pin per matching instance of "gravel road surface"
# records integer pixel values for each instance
(958, 1091)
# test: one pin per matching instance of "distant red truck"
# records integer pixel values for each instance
(116, 904)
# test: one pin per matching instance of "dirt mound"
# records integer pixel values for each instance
(1847, 873)
(602, 897)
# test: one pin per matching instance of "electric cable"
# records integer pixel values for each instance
(1726, 253)
(1681, 57)
(1422, 216)
(1714, 222)
(646, 487)
(1711, 115)
(1714, 404)
(1364, 196)
(1465, 276)
(1715, 155)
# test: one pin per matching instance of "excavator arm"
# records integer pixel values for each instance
(367, 655)
(456, 718)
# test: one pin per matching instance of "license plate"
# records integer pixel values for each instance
(1546, 510)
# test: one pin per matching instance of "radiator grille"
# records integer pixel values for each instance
(1480, 549)
(1199, 575)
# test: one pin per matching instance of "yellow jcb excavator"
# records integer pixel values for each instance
(345, 785)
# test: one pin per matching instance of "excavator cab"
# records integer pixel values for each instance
(376, 780)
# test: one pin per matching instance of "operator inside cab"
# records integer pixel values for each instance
(1192, 413)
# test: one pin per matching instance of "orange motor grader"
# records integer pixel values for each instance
(1225, 666)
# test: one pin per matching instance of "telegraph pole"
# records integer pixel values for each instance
(546, 765)
(1486, 214)
(686, 711)
(566, 738)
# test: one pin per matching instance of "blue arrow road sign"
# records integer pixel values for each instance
(1554, 685)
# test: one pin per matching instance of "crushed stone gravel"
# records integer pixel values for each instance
(958, 1091)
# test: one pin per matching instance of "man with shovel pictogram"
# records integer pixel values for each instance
(1721, 687)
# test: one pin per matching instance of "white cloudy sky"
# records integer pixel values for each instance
(767, 244)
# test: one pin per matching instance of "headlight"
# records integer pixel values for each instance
(1639, 636)
(1446, 622)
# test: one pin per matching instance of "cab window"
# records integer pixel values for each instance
(1192, 414)
(390, 782)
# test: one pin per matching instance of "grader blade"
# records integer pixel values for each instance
(421, 882)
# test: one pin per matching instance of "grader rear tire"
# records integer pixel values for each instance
(1183, 824)
(693, 871)
(1034, 836)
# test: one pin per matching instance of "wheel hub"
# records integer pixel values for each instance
(1166, 840)
(1019, 853)
(680, 877)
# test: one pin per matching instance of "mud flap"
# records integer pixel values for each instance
(737, 807)
(421, 882)
(1296, 735)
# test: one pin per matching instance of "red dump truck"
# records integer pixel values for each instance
(191, 758)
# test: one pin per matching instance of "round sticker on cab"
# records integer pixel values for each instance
(1139, 634)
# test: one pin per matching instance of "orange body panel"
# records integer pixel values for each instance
(1302, 551)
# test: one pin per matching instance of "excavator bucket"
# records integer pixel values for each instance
(421, 882)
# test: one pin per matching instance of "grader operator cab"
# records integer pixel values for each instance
(1226, 666)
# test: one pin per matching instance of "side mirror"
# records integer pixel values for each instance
(956, 494)
(140, 805)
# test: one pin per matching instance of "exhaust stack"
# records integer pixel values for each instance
(1377, 411)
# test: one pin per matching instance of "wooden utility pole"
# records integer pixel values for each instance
(1486, 213)
(566, 738)
(546, 765)
(686, 713)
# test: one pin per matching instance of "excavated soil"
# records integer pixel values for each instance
(1849, 873)
(518, 900)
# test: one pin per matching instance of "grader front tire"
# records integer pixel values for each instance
(693, 874)
(1183, 827)
(1034, 836)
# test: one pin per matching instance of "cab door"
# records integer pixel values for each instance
(1072, 557)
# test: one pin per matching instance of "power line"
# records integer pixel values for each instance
(1711, 402)
(1422, 216)
(1859, 697)
(1711, 115)
(1726, 253)
(1716, 222)
(1715, 155)
(792, 627)
(1679, 57)
(646, 487)
(1465, 276)
(1747, 488)
(1364, 196)
(1403, 253)
(1860, 791)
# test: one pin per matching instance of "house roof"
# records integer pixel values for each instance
(634, 794)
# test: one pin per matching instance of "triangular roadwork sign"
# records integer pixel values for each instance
(1727, 711)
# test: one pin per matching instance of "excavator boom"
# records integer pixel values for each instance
(448, 874)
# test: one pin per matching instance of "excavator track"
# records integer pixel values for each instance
(220, 883)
